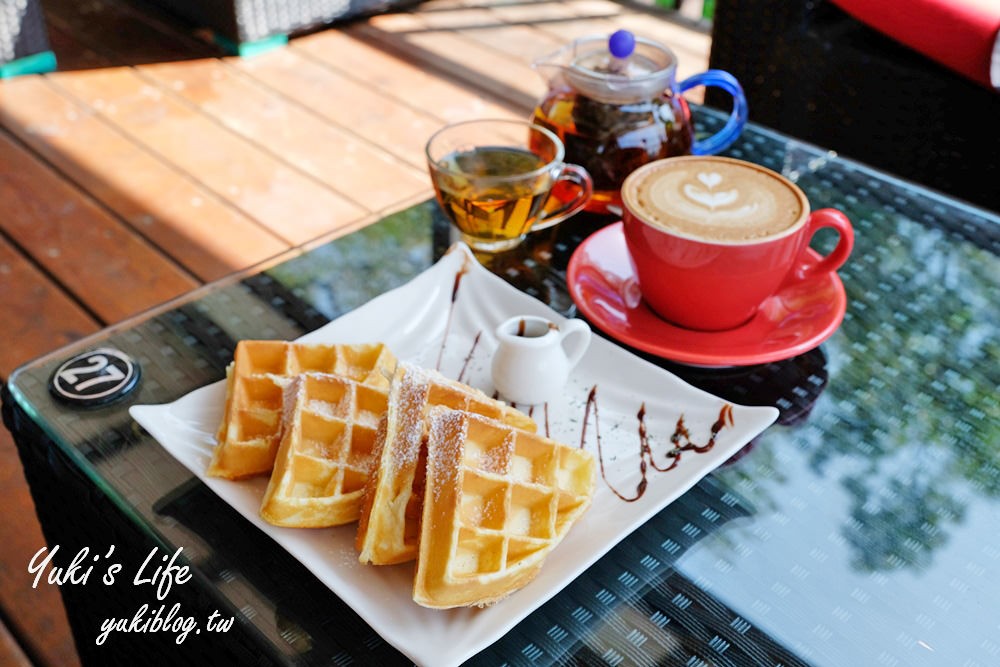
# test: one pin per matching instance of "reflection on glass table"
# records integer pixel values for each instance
(862, 528)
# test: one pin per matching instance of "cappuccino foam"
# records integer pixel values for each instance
(714, 199)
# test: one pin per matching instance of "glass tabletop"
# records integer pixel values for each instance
(862, 528)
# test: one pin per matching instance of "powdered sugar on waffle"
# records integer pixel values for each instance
(447, 428)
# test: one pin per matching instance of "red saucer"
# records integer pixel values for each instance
(798, 318)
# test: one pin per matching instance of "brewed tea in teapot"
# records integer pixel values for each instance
(616, 105)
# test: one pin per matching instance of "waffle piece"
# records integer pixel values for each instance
(497, 501)
(251, 424)
(328, 437)
(390, 513)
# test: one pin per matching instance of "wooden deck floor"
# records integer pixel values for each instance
(150, 164)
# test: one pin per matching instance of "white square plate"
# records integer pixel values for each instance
(445, 318)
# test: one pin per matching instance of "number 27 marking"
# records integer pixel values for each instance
(99, 364)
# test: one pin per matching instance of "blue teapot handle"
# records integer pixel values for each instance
(722, 139)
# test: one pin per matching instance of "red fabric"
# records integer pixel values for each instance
(960, 34)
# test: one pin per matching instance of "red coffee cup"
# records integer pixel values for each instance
(711, 238)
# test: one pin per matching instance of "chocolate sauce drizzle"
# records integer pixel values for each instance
(531, 413)
(468, 357)
(680, 442)
(475, 343)
(451, 310)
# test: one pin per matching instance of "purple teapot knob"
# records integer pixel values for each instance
(621, 44)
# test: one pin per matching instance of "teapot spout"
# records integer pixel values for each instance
(552, 67)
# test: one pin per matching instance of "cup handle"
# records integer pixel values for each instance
(827, 217)
(578, 176)
(722, 139)
(575, 339)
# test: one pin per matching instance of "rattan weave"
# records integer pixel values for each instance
(22, 30)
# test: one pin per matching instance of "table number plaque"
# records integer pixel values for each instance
(94, 378)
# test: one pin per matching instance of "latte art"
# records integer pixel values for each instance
(714, 199)
(710, 199)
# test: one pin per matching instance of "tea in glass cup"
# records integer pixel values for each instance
(493, 178)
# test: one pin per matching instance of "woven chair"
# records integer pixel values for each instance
(812, 71)
(24, 41)
(247, 26)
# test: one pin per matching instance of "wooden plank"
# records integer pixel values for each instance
(190, 223)
(257, 115)
(464, 59)
(38, 315)
(93, 255)
(340, 160)
(397, 128)
(283, 199)
(348, 52)
(287, 202)
(514, 37)
(570, 21)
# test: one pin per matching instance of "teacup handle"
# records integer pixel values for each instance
(722, 139)
(827, 217)
(575, 337)
(578, 176)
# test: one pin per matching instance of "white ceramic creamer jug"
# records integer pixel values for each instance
(535, 356)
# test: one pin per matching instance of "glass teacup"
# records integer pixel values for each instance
(494, 177)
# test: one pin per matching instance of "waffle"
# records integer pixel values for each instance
(328, 436)
(390, 514)
(250, 430)
(497, 501)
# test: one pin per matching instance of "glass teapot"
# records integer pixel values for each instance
(616, 105)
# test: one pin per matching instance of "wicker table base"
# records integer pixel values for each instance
(24, 41)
